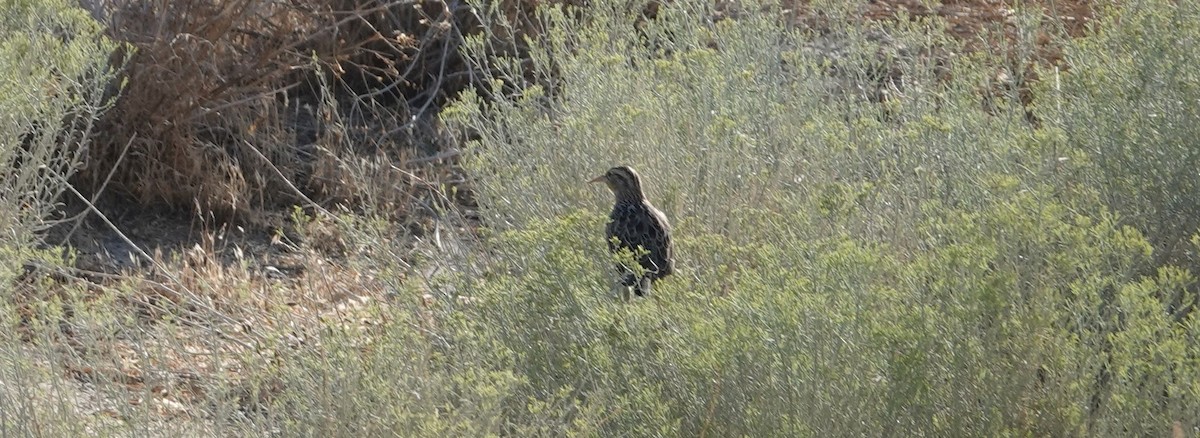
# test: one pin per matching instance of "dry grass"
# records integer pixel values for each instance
(199, 333)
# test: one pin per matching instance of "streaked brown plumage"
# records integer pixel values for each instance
(634, 222)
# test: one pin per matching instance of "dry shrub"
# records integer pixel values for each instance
(197, 81)
(236, 105)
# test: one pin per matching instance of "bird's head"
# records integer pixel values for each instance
(624, 183)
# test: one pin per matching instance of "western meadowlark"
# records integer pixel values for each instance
(634, 224)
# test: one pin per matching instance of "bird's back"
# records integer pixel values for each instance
(640, 224)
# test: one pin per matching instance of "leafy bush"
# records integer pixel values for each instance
(913, 264)
(56, 84)
(57, 81)
(1128, 105)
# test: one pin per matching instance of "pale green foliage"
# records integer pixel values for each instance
(913, 266)
(1128, 109)
(1130, 104)
(56, 75)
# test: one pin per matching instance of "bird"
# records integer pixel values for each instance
(635, 223)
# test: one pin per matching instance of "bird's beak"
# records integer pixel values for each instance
(597, 179)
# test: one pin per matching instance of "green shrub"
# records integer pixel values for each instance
(1125, 107)
(916, 265)
(1128, 105)
(56, 84)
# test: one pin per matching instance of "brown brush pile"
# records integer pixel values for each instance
(237, 105)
